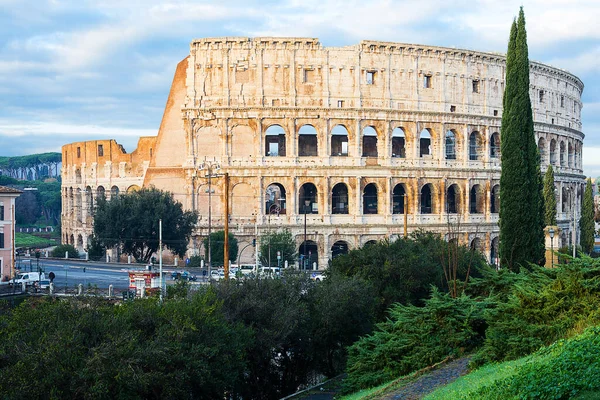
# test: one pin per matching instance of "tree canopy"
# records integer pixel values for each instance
(521, 209)
(549, 198)
(280, 241)
(131, 222)
(586, 222)
(217, 240)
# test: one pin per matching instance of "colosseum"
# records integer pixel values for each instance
(340, 145)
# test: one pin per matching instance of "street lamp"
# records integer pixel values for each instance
(306, 204)
(208, 167)
(551, 233)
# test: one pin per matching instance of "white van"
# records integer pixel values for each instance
(270, 272)
(248, 269)
(28, 278)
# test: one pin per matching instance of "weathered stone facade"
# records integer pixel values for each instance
(339, 133)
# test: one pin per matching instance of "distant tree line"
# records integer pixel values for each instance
(32, 167)
(40, 202)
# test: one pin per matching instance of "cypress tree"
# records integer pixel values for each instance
(549, 198)
(586, 223)
(522, 210)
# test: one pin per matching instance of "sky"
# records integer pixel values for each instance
(101, 69)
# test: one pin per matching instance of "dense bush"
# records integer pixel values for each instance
(404, 270)
(415, 337)
(60, 250)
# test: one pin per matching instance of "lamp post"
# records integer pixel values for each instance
(306, 204)
(208, 167)
(551, 233)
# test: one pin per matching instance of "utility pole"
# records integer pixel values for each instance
(208, 167)
(226, 240)
(160, 259)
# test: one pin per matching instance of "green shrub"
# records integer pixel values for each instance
(60, 250)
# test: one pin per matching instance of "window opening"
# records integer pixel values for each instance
(427, 82)
(100, 150)
(425, 143)
(307, 141)
(369, 142)
(398, 143)
(474, 146)
(78, 152)
(339, 199)
(307, 197)
(475, 86)
(275, 202)
(495, 145)
(275, 141)
(370, 199)
(398, 199)
(370, 77)
(452, 200)
(450, 146)
(426, 200)
(339, 141)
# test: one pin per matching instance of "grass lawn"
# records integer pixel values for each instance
(28, 240)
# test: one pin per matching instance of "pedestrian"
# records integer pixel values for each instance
(51, 276)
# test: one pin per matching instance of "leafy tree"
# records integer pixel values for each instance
(549, 198)
(521, 211)
(281, 241)
(131, 221)
(60, 250)
(27, 208)
(586, 222)
(217, 241)
(95, 249)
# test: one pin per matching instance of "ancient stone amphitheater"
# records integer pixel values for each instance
(341, 145)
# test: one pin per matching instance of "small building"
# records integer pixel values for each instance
(143, 281)
(7, 231)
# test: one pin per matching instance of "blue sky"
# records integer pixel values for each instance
(90, 69)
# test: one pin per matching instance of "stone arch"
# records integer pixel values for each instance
(450, 145)
(476, 244)
(399, 199)
(339, 141)
(114, 192)
(307, 141)
(308, 252)
(495, 199)
(553, 152)
(476, 199)
(243, 200)
(542, 149)
(370, 200)
(133, 188)
(79, 204)
(475, 145)
(242, 141)
(78, 176)
(426, 197)
(275, 141)
(89, 200)
(100, 192)
(495, 145)
(370, 243)
(425, 140)
(564, 199)
(494, 252)
(275, 199)
(308, 199)
(210, 201)
(563, 154)
(453, 199)
(369, 141)
(208, 141)
(339, 199)
(571, 160)
(72, 241)
(398, 143)
(339, 248)
(79, 242)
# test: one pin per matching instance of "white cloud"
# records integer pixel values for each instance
(53, 128)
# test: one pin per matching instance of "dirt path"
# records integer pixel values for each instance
(426, 383)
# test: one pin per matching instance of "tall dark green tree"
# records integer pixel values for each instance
(130, 221)
(273, 242)
(586, 223)
(549, 198)
(217, 241)
(521, 211)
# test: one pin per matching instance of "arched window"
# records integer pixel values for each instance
(563, 158)
(495, 145)
(339, 248)
(495, 199)
(339, 141)
(474, 146)
(307, 199)
(494, 259)
(275, 199)
(370, 243)
(399, 199)
(275, 141)
(476, 200)
(339, 199)
(553, 152)
(450, 145)
(309, 255)
(425, 143)
(369, 142)
(100, 193)
(565, 200)
(476, 244)
(426, 199)
(114, 192)
(398, 143)
(570, 155)
(307, 141)
(453, 199)
(370, 199)
(542, 149)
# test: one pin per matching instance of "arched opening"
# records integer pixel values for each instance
(369, 142)
(339, 248)
(100, 193)
(79, 242)
(339, 199)
(72, 241)
(89, 199)
(370, 199)
(495, 199)
(426, 199)
(476, 244)
(133, 188)
(453, 199)
(476, 200)
(570, 155)
(78, 203)
(339, 141)
(425, 143)
(542, 149)
(78, 176)
(398, 199)
(114, 192)
(275, 141)
(398, 143)
(474, 146)
(494, 258)
(450, 145)
(370, 243)
(307, 141)
(565, 200)
(307, 199)
(563, 151)
(275, 199)
(553, 152)
(495, 145)
(309, 255)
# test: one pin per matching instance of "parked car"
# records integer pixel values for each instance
(184, 275)
(317, 276)
(217, 274)
(44, 285)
